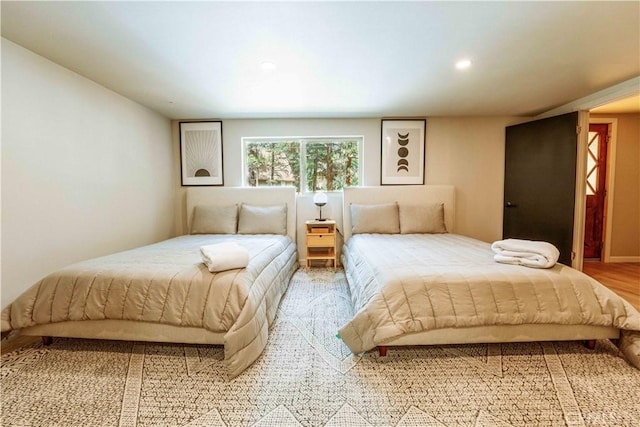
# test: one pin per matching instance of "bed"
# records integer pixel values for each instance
(164, 293)
(413, 281)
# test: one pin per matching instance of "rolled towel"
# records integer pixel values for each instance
(529, 253)
(224, 256)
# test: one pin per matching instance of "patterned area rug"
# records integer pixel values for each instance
(307, 377)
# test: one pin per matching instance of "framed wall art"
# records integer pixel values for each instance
(402, 160)
(201, 153)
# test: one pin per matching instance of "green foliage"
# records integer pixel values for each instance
(273, 163)
(330, 165)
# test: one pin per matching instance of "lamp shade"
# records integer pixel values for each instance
(320, 198)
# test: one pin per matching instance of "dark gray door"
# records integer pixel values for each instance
(540, 180)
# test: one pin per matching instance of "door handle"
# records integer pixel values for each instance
(511, 205)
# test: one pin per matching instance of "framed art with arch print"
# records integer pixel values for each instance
(201, 153)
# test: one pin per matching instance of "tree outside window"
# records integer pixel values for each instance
(331, 166)
(327, 164)
(273, 164)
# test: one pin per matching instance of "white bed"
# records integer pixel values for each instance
(395, 280)
(173, 268)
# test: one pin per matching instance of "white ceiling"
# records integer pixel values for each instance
(625, 105)
(337, 59)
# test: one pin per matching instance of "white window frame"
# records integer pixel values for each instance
(303, 141)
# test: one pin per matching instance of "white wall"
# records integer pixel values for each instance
(468, 152)
(85, 171)
(465, 152)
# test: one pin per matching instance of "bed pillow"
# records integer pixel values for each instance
(382, 219)
(422, 219)
(214, 219)
(262, 219)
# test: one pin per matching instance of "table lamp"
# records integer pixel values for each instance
(320, 199)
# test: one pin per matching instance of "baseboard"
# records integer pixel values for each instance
(624, 259)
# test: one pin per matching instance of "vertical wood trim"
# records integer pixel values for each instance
(581, 198)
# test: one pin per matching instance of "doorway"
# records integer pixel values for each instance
(596, 189)
(540, 183)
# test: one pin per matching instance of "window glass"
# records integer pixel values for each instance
(272, 163)
(331, 165)
(327, 164)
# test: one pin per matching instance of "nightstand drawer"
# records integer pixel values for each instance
(321, 240)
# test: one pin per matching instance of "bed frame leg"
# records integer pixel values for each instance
(382, 349)
(590, 344)
(47, 340)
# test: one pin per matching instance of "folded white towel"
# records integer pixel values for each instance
(224, 256)
(525, 252)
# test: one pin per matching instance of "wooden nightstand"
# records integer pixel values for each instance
(321, 241)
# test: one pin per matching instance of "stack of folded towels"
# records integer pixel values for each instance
(525, 252)
(224, 256)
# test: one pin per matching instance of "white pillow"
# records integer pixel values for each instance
(381, 219)
(214, 219)
(262, 219)
(422, 219)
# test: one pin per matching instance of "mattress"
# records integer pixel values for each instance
(405, 284)
(167, 283)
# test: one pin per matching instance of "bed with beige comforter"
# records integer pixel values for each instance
(167, 283)
(405, 284)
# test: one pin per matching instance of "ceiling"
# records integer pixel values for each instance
(337, 59)
(626, 105)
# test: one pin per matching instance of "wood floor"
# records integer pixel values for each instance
(10, 344)
(622, 278)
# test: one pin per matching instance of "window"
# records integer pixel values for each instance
(310, 164)
(596, 158)
(272, 163)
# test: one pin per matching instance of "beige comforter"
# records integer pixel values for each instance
(410, 283)
(168, 283)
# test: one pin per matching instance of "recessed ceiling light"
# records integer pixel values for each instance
(463, 64)
(268, 66)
